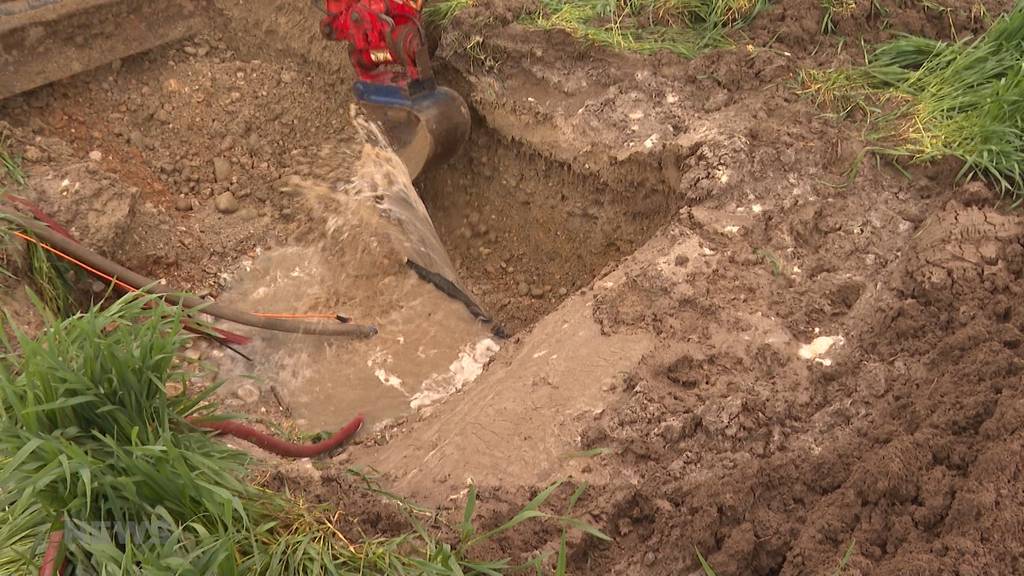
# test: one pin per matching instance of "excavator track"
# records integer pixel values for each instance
(42, 41)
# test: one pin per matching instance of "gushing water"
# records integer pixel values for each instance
(352, 261)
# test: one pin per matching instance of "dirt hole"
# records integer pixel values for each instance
(526, 231)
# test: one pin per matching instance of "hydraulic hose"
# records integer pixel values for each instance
(276, 445)
(53, 547)
(141, 283)
(272, 444)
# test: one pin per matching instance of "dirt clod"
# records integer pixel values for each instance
(183, 204)
(222, 170)
(226, 203)
(248, 393)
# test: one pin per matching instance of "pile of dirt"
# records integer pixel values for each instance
(203, 133)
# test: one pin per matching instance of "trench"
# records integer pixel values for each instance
(525, 231)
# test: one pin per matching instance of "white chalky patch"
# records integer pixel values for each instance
(465, 369)
(819, 347)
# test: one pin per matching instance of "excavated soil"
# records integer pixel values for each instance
(743, 434)
(527, 231)
(833, 366)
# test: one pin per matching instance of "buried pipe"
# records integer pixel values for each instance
(220, 335)
(134, 281)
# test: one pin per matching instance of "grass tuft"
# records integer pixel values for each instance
(10, 165)
(10, 172)
(683, 27)
(50, 278)
(442, 12)
(833, 8)
(91, 443)
(928, 100)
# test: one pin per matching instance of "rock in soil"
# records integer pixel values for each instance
(248, 393)
(183, 204)
(226, 203)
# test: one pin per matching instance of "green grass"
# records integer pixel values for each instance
(50, 279)
(49, 275)
(832, 8)
(90, 442)
(10, 173)
(10, 165)
(443, 11)
(925, 100)
(683, 27)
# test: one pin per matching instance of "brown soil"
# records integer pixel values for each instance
(161, 120)
(903, 438)
(528, 231)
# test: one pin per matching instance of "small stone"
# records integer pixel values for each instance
(190, 50)
(97, 287)
(682, 260)
(287, 76)
(671, 432)
(563, 292)
(248, 393)
(202, 50)
(33, 154)
(137, 139)
(649, 558)
(115, 66)
(226, 203)
(183, 204)
(173, 388)
(523, 289)
(227, 143)
(537, 291)
(222, 170)
(162, 116)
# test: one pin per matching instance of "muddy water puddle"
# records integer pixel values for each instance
(352, 262)
(428, 345)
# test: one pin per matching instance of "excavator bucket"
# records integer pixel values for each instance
(425, 130)
(42, 41)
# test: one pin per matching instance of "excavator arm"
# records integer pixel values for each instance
(426, 123)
